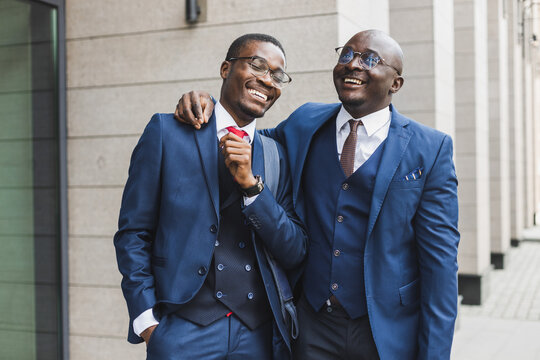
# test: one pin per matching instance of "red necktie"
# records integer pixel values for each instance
(349, 149)
(237, 132)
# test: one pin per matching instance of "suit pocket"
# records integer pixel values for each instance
(159, 261)
(403, 184)
(409, 293)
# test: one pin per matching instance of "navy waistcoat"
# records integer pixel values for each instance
(337, 212)
(234, 283)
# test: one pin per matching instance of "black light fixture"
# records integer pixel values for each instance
(193, 10)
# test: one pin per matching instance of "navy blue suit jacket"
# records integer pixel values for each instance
(410, 261)
(169, 219)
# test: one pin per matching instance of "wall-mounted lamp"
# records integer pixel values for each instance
(193, 11)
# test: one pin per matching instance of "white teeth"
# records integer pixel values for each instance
(354, 81)
(257, 93)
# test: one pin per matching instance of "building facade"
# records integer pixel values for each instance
(79, 80)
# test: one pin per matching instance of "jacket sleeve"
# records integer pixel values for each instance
(437, 241)
(276, 223)
(138, 221)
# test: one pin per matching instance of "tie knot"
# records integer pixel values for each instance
(354, 124)
(237, 132)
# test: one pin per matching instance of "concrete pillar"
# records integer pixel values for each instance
(498, 133)
(528, 17)
(425, 31)
(528, 179)
(472, 147)
(515, 107)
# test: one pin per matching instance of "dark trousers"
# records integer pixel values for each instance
(327, 335)
(178, 339)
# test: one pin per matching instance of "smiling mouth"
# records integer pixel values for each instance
(258, 94)
(353, 81)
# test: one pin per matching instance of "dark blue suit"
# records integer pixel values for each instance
(169, 220)
(411, 238)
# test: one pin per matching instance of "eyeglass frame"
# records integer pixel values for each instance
(381, 59)
(279, 85)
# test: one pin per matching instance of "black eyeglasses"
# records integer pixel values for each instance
(260, 67)
(368, 59)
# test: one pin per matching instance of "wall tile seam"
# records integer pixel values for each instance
(394, 9)
(97, 286)
(91, 236)
(429, 76)
(74, 238)
(178, 81)
(198, 26)
(416, 111)
(95, 187)
(351, 20)
(104, 136)
(93, 335)
(417, 42)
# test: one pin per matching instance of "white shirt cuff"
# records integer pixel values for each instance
(249, 200)
(144, 321)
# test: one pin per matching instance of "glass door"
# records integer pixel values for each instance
(29, 182)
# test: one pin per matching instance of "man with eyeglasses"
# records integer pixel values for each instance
(198, 233)
(377, 192)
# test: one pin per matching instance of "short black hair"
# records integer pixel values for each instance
(238, 44)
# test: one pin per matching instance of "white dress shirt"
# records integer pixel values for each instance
(370, 136)
(223, 120)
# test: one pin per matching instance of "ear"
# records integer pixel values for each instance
(225, 69)
(397, 84)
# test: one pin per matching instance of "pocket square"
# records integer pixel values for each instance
(414, 175)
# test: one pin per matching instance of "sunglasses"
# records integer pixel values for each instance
(367, 59)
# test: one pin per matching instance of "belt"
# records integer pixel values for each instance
(333, 304)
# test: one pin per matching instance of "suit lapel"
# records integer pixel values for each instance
(206, 140)
(396, 143)
(311, 122)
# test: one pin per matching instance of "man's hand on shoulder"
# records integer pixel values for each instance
(194, 108)
(147, 333)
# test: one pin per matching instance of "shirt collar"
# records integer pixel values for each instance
(372, 122)
(224, 120)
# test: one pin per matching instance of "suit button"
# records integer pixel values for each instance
(345, 186)
(213, 229)
(340, 219)
(334, 286)
(250, 295)
(202, 270)
(219, 294)
(337, 252)
(247, 267)
(216, 243)
(241, 244)
(220, 267)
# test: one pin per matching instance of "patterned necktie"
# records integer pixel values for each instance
(237, 132)
(349, 149)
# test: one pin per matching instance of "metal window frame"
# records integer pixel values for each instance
(62, 139)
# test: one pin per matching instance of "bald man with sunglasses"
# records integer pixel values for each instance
(377, 192)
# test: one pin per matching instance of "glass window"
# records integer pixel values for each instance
(29, 182)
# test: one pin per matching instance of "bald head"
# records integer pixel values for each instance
(388, 48)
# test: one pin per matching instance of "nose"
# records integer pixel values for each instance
(355, 63)
(266, 79)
